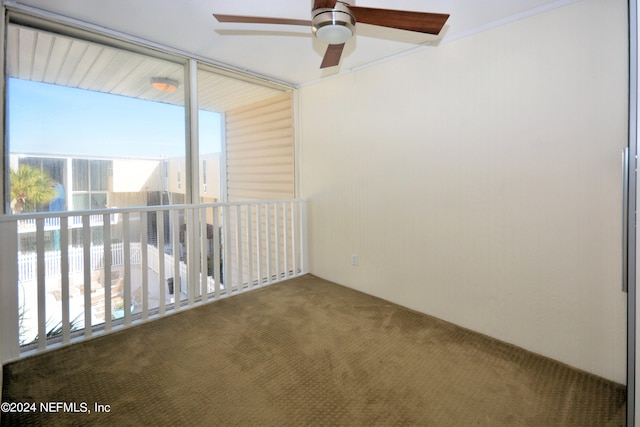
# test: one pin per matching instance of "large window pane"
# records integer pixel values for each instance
(80, 171)
(101, 127)
(86, 123)
(101, 111)
(210, 138)
(99, 175)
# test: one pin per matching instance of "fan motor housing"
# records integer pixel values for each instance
(333, 26)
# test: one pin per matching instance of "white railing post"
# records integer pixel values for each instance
(295, 237)
(177, 280)
(269, 243)
(249, 236)
(217, 255)
(161, 264)
(107, 249)
(259, 251)
(126, 257)
(204, 261)
(285, 238)
(276, 228)
(86, 269)
(304, 244)
(227, 263)
(41, 290)
(192, 246)
(9, 301)
(239, 248)
(143, 263)
(64, 280)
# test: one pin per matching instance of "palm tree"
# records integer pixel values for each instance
(30, 185)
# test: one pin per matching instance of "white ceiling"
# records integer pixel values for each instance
(283, 53)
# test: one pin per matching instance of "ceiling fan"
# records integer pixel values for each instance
(333, 22)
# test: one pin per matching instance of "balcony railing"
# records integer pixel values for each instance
(93, 272)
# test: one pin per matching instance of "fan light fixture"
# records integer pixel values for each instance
(333, 34)
(333, 26)
(164, 84)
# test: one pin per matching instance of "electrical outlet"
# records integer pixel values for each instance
(354, 259)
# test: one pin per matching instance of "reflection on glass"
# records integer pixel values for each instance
(92, 122)
(89, 132)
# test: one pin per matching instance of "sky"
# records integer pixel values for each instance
(51, 119)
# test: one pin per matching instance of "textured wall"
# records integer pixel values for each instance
(480, 182)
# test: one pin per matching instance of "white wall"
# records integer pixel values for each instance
(480, 182)
(134, 175)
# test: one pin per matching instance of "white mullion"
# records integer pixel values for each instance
(191, 132)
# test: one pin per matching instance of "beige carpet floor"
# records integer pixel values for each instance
(306, 352)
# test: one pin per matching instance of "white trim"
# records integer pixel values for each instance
(192, 192)
(224, 181)
(632, 232)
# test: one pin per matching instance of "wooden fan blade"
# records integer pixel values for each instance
(422, 22)
(260, 20)
(324, 4)
(332, 55)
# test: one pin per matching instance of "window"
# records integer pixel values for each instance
(84, 117)
(210, 124)
(54, 169)
(90, 184)
(93, 107)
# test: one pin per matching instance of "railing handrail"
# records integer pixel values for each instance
(137, 209)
